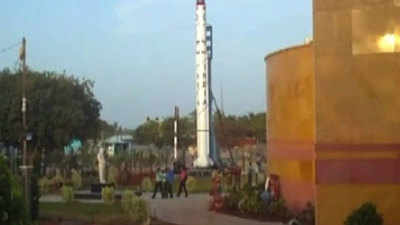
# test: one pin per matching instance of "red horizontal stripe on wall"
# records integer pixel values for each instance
(291, 151)
(357, 147)
(358, 171)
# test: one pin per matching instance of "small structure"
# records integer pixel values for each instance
(118, 143)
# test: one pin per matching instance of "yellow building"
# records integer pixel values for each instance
(334, 112)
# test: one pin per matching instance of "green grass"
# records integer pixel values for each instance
(84, 212)
(204, 185)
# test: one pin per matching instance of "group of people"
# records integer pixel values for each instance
(165, 181)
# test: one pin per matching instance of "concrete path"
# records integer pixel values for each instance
(186, 211)
(194, 211)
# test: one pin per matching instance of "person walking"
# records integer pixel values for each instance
(170, 181)
(164, 193)
(182, 183)
(250, 174)
(158, 184)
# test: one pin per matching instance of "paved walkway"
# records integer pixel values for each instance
(185, 211)
(193, 211)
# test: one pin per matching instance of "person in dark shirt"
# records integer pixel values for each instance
(170, 181)
(182, 181)
(158, 185)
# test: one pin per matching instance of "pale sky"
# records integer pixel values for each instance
(140, 53)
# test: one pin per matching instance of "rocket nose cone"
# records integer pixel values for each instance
(201, 2)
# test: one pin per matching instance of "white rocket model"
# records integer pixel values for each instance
(202, 89)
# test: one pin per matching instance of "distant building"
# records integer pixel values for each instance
(118, 144)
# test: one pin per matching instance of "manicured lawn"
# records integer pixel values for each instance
(84, 212)
(87, 213)
(204, 185)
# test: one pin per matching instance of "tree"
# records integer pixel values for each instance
(258, 126)
(230, 130)
(106, 130)
(148, 133)
(187, 131)
(60, 108)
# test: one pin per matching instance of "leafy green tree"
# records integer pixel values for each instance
(187, 131)
(231, 129)
(106, 130)
(148, 133)
(59, 108)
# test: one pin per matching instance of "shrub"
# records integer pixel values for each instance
(365, 215)
(57, 181)
(227, 181)
(112, 175)
(191, 183)
(232, 199)
(76, 179)
(12, 207)
(107, 194)
(250, 201)
(44, 185)
(147, 185)
(126, 201)
(67, 193)
(279, 208)
(307, 216)
(136, 208)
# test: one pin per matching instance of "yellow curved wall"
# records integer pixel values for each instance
(334, 112)
(291, 95)
(291, 123)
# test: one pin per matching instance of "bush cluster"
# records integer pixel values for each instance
(248, 201)
(76, 179)
(67, 193)
(191, 183)
(147, 184)
(307, 215)
(107, 194)
(365, 215)
(136, 208)
(57, 181)
(112, 175)
(47, 185)
(44, 185)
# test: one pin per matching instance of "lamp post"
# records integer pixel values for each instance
(25, 168)
(176, 133)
